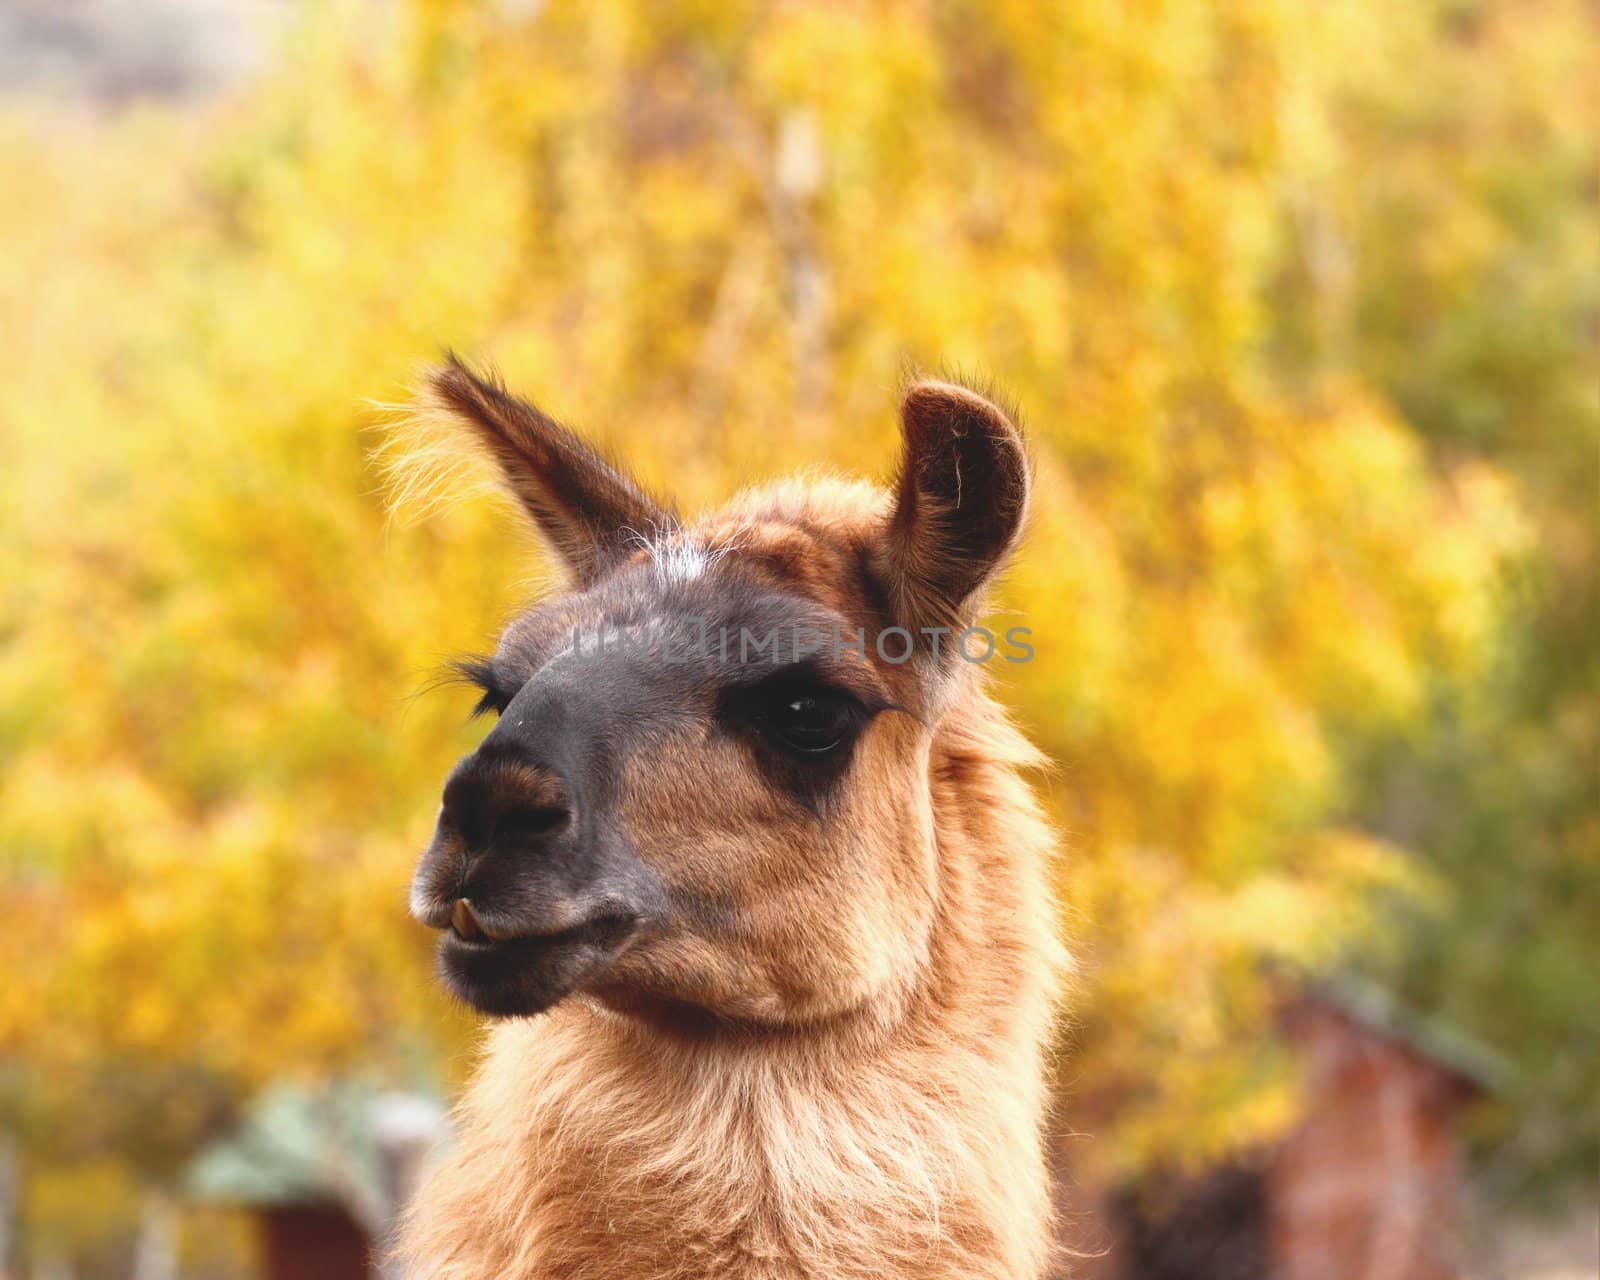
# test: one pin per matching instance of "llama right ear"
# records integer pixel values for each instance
(586, 509)
(959, 502)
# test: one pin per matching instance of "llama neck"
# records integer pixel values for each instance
(593, 1146)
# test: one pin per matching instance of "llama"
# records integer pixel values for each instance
(783, 910)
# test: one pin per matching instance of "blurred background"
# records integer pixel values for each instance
(1302, 306)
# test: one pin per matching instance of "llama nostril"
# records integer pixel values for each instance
(529, 823)
(464, 815)
(502, 800)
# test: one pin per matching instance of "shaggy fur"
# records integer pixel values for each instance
(828, 1060)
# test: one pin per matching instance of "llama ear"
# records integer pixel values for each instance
(959, 502)
(585, 508)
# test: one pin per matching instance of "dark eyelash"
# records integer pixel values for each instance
(805, 678)
(799, 681)
(490, 701)
(480, 673)
(808, 675)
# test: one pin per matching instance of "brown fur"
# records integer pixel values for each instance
(830, 1062)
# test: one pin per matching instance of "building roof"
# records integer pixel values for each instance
(1377, 1010)
(303, 1145)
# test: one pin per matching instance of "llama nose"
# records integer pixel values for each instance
(503, 803)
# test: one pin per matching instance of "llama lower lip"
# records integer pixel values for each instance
(526, 975)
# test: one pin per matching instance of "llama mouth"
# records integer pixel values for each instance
(468, 927)
(520, 975)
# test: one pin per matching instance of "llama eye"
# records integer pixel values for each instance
(810, 721)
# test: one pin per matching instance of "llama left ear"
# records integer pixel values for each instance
(588, 510)
(959, 502)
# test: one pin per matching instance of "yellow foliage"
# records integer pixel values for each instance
(713, 236)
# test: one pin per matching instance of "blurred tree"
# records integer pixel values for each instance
(1224, 256)
(1472, 298)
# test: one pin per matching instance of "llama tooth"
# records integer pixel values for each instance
(463, 921)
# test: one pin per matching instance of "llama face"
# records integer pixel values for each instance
(705, 800)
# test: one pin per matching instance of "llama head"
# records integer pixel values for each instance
(706, 799)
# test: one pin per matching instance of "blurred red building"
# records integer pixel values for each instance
(322, 1173)
(1367, 1186)
(312, 1241)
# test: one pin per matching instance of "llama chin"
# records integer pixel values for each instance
(784, 911)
